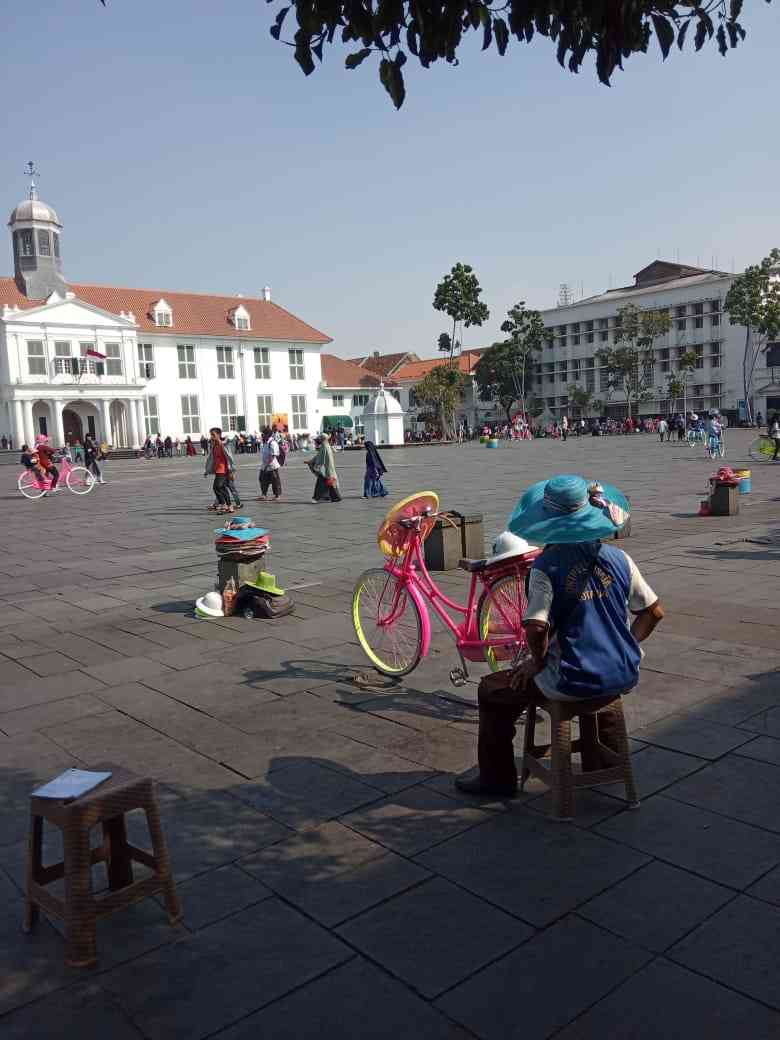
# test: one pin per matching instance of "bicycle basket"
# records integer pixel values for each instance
(393, 537)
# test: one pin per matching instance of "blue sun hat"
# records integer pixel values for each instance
(569, 509)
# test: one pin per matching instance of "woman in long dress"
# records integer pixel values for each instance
(375, 469)
(323, 465)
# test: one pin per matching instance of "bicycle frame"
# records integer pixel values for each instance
(64, 465)
(417, 581)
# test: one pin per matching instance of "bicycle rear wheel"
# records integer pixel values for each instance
(500, 615)
(762, 449)
(387, 622)
(28, 485)
(79, 480)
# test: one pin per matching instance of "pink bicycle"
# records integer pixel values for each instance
(390, 604)
(77, 479)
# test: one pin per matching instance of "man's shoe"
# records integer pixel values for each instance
(477, 786)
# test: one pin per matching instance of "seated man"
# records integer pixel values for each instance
(582, 642)
(46, 458)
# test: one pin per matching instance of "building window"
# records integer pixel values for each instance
(225, 369)
(698, 323)
(603, 379)
(56, 238)
(299, 418)
(190, 413)
(359, 400)
(680, 312)
(296, 364)
(715, 320)
(575, 326)
(715, 306)
(62, 359)
(113, 360)
(681, 325)
(27, 247)
(151, 418)
(338, 400)
(242, 324)
(590, 381)
(590, 337)
(589, 326)
(698, 308)
(265, 409)
(575, 369)
(262, 363)
(575, 341)
(227, 409)
(36, 357)
(91, 365)
(603, 323)
(162, 314)
(186, 356)
(44, 243)
(146, 361)
(604, 336)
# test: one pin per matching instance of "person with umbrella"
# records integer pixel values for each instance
(582, 638)
(375, 469)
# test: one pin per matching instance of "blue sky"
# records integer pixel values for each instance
(184, 149)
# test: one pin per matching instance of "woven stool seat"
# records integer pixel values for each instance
(106, 805)
(601, 764)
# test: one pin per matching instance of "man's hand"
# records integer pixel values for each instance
(524, 672)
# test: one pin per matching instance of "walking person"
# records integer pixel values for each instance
(204, 444)
(190, 447)
(323, 465)
(565, 427)
(269, 466)
(91, 452)
(774, 433)
(219, 463)
(375, 470)
(663, 427)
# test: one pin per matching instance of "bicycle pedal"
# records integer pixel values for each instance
(458, 677)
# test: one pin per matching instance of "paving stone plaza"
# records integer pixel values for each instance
(334, 883)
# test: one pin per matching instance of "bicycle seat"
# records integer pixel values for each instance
(472, 566)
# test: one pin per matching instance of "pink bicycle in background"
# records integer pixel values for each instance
(390, 604)
(77, 479)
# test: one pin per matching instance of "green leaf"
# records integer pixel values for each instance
(664, 30)
(501, 33)
(392, 80)
(723, 47)
(353, 60)
(682, 32)
(276, 28)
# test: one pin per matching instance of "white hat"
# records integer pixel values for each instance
(508, 544)
(209, 606)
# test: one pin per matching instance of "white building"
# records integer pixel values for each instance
(694, 299)
(346, 392)
(172, 363)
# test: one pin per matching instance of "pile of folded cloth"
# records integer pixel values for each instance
(240, 540)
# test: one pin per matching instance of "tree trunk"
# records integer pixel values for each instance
(745, 377)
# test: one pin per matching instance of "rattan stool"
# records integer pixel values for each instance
(613, 764)
(105, 805)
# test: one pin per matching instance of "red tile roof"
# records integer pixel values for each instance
(196, 314)
(385, 364)
(336, 372)
(416, 370)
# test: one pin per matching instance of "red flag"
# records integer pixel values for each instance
(95, 353)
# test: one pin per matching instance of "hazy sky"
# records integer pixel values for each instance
(184, 149)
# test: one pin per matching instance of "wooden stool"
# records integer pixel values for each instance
(560, 775)
(106, 805)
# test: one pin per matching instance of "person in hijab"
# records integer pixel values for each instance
(375, 468)
(323, 465)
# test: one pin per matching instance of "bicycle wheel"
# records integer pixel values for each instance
(387, 622)
(500, 614)
(79, 480)
(762, 449)
(28, 486)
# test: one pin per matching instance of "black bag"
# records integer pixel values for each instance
(255, 604)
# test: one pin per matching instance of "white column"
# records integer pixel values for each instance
(140, 421)
(29, 424)
(105, 421)
(133, 414)
(18, 431)
(58, 430)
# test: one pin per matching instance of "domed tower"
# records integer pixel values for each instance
(35, 230)
(383, 419)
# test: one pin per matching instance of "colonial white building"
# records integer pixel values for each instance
(693, 298)
(172, 363)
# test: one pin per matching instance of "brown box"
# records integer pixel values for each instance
(724, 500)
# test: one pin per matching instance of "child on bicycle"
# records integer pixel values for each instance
(31, 462)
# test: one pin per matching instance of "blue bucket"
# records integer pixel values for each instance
(745, 481)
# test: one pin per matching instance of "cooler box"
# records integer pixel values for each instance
(446, 544)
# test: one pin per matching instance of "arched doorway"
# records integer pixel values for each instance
(79, 418)
(118, 416)
(42, 419)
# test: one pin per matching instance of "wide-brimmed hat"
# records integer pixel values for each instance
(569, 509)
(209, 606)
(508, 545)
(265, 582)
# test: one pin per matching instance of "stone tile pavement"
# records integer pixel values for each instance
(334, 882)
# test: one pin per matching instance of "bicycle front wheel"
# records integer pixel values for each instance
(79, 480)
(387, 622)
(762, 449)
(29, 486)
(500, 616)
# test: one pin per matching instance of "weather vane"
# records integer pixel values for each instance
(32, 173)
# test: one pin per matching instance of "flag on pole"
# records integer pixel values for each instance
(95, 353)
